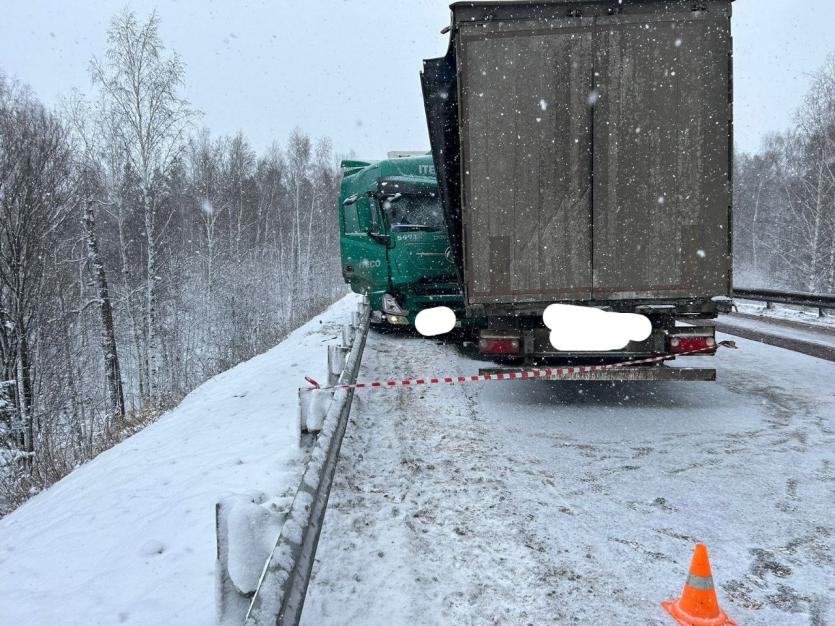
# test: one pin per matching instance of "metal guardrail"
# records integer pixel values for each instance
(796, 298)
(278, 596)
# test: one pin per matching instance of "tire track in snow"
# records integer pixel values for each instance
(427, 493)
(530, 503)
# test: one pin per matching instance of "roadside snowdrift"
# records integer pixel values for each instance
(129, 537)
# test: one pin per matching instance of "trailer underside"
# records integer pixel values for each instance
(635, 373)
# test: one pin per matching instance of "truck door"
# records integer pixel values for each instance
(364, 258)
(526, 140)
(661, 125)
(418, 233)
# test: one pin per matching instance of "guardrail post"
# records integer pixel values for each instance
(313, 406)
(230, 604)
(245, 527)
(347, 335)
(336, 363)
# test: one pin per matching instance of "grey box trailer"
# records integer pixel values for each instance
(584, 154)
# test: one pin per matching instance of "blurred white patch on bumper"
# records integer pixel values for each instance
(581, 328)
(435, 321)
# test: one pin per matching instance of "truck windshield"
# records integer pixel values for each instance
(409, 211)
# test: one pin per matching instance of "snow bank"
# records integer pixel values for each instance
(129, 537)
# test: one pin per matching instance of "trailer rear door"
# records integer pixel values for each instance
(595, 151)
(661, 125)
(527, 179)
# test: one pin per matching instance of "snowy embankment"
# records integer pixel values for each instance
(130, 537)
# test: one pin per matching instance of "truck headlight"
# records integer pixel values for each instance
(390, 305)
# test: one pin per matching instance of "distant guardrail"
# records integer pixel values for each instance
(796, 298)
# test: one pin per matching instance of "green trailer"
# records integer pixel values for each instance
(393, 239)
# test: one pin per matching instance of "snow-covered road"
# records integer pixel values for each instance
(555, 502)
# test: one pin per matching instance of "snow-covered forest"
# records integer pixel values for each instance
(784, 200)
(139, 255)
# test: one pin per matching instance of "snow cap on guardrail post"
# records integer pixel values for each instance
(336, 363)
(313, 406)
(230, 604)
(348, 335)
(245, 526)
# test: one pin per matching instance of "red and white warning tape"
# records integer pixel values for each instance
(547, 374)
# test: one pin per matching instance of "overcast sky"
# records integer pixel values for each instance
(348, 69)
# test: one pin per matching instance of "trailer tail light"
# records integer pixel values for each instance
(499, 345)
(691, 343)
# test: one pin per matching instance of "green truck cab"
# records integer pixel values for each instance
(393, 239)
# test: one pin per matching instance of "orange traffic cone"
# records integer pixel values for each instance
(698, 605)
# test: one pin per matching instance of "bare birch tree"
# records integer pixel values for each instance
(97, 173)
(108, 334)
(141, 87)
